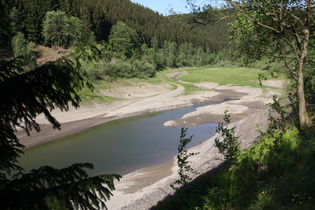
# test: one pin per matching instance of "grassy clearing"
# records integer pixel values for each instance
(223, 76)
(190, 89)
(220, 75)
(88, 96)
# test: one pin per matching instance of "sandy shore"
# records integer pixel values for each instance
(144, 188)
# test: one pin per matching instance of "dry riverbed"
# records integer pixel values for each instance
(144, 188)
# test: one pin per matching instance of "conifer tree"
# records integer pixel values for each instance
(24, 95)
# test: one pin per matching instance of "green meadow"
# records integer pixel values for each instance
(223, 76)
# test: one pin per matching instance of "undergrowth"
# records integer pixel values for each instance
(278, 172)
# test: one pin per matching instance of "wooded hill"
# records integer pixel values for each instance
(99, 16)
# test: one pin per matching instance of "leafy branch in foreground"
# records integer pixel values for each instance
(24, 96)
(229, 145)
(182, 160)
(51, 188)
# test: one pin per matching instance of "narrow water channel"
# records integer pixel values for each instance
(119, 146)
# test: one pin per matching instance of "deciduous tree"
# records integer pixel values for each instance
(282, 29)
(24, 50)
(286, 27)
(55, 27)
(125, 40)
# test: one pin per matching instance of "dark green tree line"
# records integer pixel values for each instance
(98, 16)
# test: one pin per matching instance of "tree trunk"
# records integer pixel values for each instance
(304, 119)
(303, 116)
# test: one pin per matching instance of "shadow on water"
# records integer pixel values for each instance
(119, 146)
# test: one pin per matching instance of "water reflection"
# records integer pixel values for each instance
(120, 146)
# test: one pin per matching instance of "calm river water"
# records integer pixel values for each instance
(119, 146)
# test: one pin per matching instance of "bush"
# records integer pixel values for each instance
(24, 50)
(143, 69)
(121, 69)
(182, 161)
(96, 71)
(229, 145)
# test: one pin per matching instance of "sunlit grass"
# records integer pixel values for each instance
(223, 76)
(88, 96)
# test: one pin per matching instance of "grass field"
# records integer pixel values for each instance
(222, 76)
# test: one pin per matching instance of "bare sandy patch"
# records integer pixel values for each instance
(274, 83)
(239, 101)
(141, 90)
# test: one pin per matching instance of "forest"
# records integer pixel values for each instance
(98, 17)
(104, 40)
(133, 41)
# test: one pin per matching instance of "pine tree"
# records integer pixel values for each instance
(24, 95)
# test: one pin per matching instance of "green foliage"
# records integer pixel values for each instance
(68, 188)
(74, 31)
(276, 173)
(25, 95)
(222, 76)
(19, 45)
(143, 69)
(54, 27)
(60, 30)
(132, 34)
(216, 198)
(15, 21)
(229, 145)
(99, 16)
(26, 16)
(120, 69)
(276, 116)
(124, 40)
(243, 31)
(24, 50)
(182, 161)
(268, 175)
(285, 35)
(5, 28)
(309, 92)
(110, 68)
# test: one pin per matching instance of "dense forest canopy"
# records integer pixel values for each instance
(98, 17)
(134, 41)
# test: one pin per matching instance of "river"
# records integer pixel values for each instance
(119, 146)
